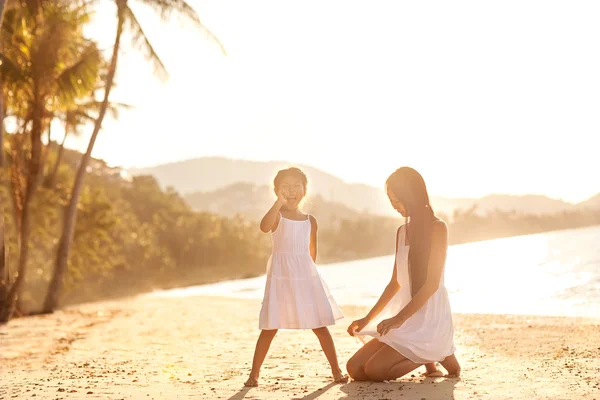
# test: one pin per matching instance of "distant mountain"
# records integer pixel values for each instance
(591, 203)
(203, 181)
(528, 204)
(212, 173)
(253, 201)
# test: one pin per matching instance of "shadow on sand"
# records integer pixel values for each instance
(429, 388)
(440, 388)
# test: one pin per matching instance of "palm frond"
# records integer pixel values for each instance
(47, 47)
(83, 115)
(141, 41)
(114, 108)
(10, 71)
(80, 78)
(166, 8)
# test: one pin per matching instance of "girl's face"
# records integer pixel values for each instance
(398, 206)
(293, 190)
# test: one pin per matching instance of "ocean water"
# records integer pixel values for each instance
(556, 273)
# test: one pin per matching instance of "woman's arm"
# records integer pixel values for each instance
(313, 237)
(388, 293)
(435, 268)
(390, 290)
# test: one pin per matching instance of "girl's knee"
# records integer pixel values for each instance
(323, 331)
(269, 332)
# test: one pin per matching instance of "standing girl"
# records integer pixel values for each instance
(296, 297)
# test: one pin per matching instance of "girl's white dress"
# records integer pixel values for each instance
(428, 335)
(296, 297)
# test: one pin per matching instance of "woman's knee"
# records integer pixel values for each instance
(356, 369)
(374, 370)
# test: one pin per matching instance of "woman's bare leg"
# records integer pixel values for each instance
(451, 365)
(262, 348)
(432, 371)
(388, 364)
(356, 364)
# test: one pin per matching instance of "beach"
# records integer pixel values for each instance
(201, 347)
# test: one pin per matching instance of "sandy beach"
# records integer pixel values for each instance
(201, 347)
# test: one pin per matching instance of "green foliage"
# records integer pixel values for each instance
(131, 236)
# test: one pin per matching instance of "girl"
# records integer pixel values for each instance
(295, 295)
(411, 324)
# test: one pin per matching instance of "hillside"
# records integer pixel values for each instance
(212, 173)
(593, 203)
(251, 201)
(203, 181)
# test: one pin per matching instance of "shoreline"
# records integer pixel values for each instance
(217, 275)
(201, 347)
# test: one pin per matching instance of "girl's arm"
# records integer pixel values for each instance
(271, 219)
(313, 237)
(390, 290)
(435, 268)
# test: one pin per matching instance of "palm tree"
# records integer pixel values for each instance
(74, 118)
(2, 112)
(126, 19)
(46, 64)
(4, 273)
(2, 8)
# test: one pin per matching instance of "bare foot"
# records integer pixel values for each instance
(339, 377)
(251, 382)
(433, 374)
(432, 371)
(452, 366)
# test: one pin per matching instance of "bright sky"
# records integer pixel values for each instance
(480, 96)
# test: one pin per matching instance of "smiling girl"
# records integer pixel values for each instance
(296, 297)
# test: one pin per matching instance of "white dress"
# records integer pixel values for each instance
(296, 297)
(428, 335)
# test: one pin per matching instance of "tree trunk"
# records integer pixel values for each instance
(5, 307)
(51, 181)
(2, 8)
(33, 181)
(2, 112)
(66, 238)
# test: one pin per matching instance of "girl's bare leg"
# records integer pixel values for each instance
(262, 348)
(329, 349)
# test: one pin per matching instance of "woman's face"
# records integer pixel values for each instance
(398, 206)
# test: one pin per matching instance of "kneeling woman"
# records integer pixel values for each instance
(411, 324)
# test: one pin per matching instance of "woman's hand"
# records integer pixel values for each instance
(357, 326)
(388, 324)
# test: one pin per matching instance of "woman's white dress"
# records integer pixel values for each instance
(428, 335)
(296, 297)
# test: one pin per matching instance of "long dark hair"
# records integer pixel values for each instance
(409, 188)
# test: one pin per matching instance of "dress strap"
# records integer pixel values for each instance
(403, 234)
